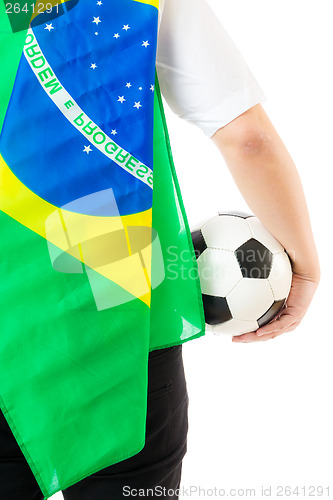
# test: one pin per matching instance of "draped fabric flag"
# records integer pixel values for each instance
(97, 263)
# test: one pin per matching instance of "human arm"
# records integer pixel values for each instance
(206, 81)
(269, 181)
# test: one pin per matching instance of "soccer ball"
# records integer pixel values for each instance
(245, 273)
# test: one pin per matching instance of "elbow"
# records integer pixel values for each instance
(253, 142)
(248, 136)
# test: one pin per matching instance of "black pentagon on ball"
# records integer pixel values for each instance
(273, 311)
(198, 243)
(216, 309)
(255, 260)
(237, 213)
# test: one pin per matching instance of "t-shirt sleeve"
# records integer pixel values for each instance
(202, 74)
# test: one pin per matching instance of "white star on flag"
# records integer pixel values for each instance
(114, 132)
(99, 2)
(93, 66)
(145, 44)
(137, 105)
(140, 88)
(116, 35)
(87, 149)
(96, 20)
(121, 98)
(126, 27)
(49, 27)
(96, 32)
(152, 88)
(128, 85)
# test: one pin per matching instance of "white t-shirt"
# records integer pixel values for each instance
(203, 76)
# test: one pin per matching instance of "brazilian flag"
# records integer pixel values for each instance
(97, 265)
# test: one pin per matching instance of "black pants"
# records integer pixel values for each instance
(158, 465)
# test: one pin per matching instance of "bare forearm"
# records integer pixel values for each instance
(268, 179)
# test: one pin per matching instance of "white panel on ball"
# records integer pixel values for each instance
(280, 276)
(235, 327)
(219, 272)
(250, 299)
(226, 232)
(261, 234)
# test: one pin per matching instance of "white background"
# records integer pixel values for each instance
(261, 414)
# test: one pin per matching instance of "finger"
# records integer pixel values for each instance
(252, 337)
(267, 329)
(246, 337)
(250, 340)
(272, 336)
(290, 326)
(285, 321)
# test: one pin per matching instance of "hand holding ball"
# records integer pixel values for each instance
(245, 273)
